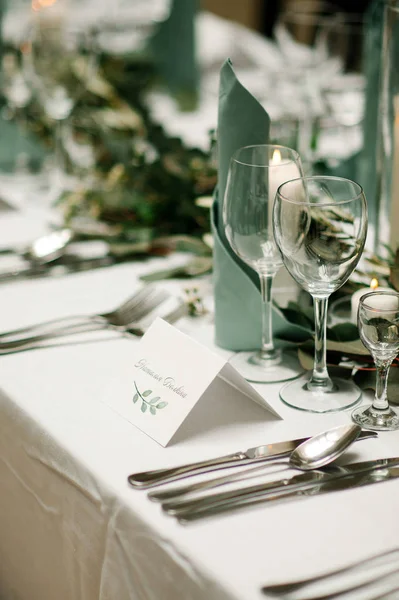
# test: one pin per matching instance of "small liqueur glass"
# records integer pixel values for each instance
(378, 321)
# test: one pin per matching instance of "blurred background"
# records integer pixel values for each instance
(105, 107)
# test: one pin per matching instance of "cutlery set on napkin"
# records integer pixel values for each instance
(188, 503)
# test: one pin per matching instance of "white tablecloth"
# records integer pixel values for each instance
(71, 528)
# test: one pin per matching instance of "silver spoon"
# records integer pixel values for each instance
(323, 448)
(44, 249)
(314, 453)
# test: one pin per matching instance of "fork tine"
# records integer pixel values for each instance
(136, 299)
(135, 314)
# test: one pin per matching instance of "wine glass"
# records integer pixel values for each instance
(254, 176)
(378, 321)
(320, 227)
(59, 62)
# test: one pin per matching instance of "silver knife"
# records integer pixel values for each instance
(310, 483)
(148, 479)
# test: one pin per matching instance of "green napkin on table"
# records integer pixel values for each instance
(173, 50)
(242, 121)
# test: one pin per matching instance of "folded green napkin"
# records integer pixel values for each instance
(172, 48)
(367, 170)
(241, 122)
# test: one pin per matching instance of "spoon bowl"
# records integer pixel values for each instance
(323, 448)
(44, 249)
(48, 248)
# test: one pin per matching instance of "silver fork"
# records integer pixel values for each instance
(282, 590)
(133, 309)
(132, 329)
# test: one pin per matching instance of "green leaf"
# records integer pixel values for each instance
(365, 379)
(343, 332)
(353, 347)
(162, 405)
(155, 400)
(153, 410)
(135, 398)
(294, 314)
(146, 393)
(143, 407)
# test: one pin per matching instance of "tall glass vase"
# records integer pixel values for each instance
(387, 218)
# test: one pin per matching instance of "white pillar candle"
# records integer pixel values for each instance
(280, 170)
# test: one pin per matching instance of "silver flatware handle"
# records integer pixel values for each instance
(378, 594)
(21, 334)
(175, 493)
(263, 491)
(282, 589)
(147, 479)
(202, 510)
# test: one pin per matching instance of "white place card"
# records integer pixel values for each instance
(170, 373)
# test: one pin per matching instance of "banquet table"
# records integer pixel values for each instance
(72, 528)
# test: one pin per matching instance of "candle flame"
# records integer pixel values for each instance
(374, 283)
(276, 158)
(39, 4)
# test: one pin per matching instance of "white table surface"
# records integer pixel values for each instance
(72, 528)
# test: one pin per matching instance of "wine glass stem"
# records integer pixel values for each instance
(267, 351)
(320, 377)
(59, 149)
(380, 401)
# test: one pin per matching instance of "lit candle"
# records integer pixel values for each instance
(355, 299)
(280, 171)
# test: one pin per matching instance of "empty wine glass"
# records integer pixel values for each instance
(320, 227)
(378, 321)
(59, 62)
(254, 176)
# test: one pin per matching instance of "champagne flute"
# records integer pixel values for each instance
(254, 176)
(378, 321)
(320, 227)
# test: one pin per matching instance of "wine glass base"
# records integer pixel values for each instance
(376, 420)
(343, 395)
(284, 367)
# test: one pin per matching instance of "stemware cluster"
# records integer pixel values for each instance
(316, 226)
(50, 64)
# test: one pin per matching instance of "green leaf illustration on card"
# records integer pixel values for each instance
(162, 405)
(152, 403)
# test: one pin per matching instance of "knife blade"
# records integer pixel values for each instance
(310, 483)
(147, 479)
